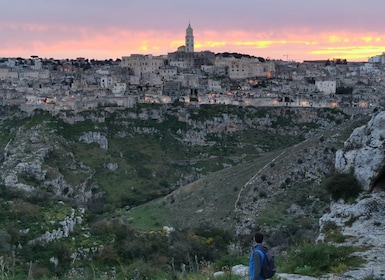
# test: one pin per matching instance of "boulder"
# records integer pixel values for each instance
(240, 270)
(219, 274)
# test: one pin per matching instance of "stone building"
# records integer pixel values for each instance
(326, 87)
(141, 64)
(191, 60)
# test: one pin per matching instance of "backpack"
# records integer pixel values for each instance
(268, 267)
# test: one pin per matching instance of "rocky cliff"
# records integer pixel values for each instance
(362, 225)
(362, 221)
(364, 154)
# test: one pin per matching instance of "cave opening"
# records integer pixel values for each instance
(379, 183)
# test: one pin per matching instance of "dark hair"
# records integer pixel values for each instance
(258, 237)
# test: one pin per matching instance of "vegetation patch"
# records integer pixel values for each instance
(318, 259)
(342, 185)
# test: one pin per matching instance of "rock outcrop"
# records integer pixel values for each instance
(364, 154)
(95, 137)
(66, 227)
(30, 163)
(362, 223)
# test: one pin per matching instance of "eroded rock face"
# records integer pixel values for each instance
(29, 164)
(364, 153)
(95, 137)
(362, 223)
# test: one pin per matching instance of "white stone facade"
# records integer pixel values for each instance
(107, 81)
(327, 87)
(245, 68)
(168, 72)
(142, 63)
(5, 73)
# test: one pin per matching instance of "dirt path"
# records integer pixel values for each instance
(252, 179)
(291, 151)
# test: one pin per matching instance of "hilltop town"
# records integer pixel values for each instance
(190, 77)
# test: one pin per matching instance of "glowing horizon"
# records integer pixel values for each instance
(315, 33)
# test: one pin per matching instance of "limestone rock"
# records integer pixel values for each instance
(219, 274)
(240, 270)
(364, 153)
(66, 227)
(95, 137)
(363, 225)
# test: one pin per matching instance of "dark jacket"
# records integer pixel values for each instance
(255, 262)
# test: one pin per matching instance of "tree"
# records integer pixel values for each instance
(342, 185)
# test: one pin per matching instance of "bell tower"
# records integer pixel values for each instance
(189, 39)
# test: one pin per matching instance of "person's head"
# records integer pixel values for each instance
(258, 237)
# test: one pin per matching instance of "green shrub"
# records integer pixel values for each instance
(100, 228)
(335, 236)
(5, 242)
(142, 270)
(262, 194)
(25, 212)
(351, 221)
(343, 186)
(330, 226)
(318, 259)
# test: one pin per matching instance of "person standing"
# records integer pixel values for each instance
(257, 257)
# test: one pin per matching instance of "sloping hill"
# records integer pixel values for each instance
(207, 201)
(275, 191)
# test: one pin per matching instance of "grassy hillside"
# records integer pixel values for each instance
(207, 201)
(280, 191)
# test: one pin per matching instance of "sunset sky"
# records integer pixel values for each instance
(279, 29)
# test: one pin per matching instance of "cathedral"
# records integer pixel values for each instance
(186, 57)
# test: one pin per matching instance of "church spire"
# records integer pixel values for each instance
(189, 39)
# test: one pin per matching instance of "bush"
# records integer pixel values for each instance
(100, 228)
(343, 186)
(142, 270)
(318, 259)
(5, 242)
(25, 212)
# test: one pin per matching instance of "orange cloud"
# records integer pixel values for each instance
(350, 52)
(260, 44)
(210, 44)
(112, 42)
